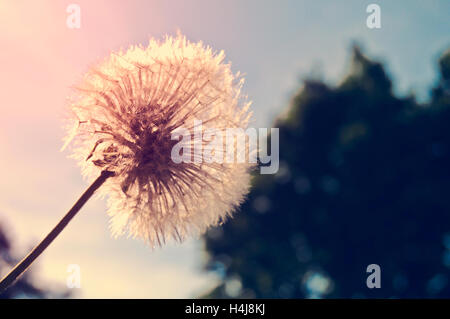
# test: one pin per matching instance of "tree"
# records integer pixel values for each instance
(24, 287)
(364, 179)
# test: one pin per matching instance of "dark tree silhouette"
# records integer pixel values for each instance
(364, 179)
(24, 287)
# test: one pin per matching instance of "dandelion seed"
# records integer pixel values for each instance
(128, 107)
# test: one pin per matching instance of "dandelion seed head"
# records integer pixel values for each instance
(123, 116)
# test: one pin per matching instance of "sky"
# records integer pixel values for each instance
(275, 44)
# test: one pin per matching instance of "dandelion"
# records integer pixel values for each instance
(123, 117)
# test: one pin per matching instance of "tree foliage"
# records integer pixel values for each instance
(364, 179)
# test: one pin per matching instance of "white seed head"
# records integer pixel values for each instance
(123, 116)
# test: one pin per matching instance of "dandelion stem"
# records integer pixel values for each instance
(39, 249)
